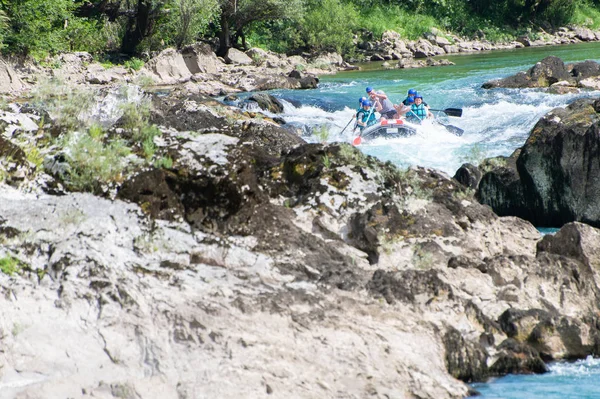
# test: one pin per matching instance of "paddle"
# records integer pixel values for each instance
(347, 124)
(357, 140)
(454, 129)
(450, 111)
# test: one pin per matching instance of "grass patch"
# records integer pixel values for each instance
(163, 163)
(135, 64)
(409, 25)
(65, 103)
(586, 14)
(321, 133)
(350, 155)
(10, 265)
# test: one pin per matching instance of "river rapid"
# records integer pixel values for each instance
(495, 122)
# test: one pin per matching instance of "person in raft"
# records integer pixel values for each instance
(382, 103)
(358, 113)
(365, 116)
(411, 94)
(418, 112)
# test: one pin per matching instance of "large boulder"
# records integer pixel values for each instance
(554, 180)
(9, 80)
(267, 102)
(168, 67)
(543, 74)
(237, 57)
(199, 57)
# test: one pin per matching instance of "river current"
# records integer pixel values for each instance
(495, 122)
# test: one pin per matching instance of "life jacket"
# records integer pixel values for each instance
(417, 113)
(366, 117)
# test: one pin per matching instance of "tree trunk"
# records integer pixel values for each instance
(138, 27)
(224, 37)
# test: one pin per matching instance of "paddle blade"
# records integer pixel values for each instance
(453, 112)
(357, 140)
(454, 130)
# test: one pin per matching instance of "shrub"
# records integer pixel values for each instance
(587, 14)
(10, 265)
(558, 12)
(408, 24)
(40, 27)
(134, 63)
(183, 24)
(329, 24)
(93, 163)
(65, 103)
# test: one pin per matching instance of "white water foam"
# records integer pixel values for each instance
(587, 367)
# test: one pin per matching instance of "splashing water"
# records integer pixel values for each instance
(565, 380)
(495, 122)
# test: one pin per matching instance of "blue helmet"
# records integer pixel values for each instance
(369, 89)
(410, 100)
(412, 91)
(367, 103)
(361, 100)
(418, 96)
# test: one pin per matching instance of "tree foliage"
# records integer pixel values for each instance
(41, 27)
(237, 15)
(329, 25)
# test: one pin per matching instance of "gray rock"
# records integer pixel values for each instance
(236, 57)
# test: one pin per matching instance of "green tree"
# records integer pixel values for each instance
(142, 18)
(237, 15)
(329, 25)
(187, 20)
(40, 27)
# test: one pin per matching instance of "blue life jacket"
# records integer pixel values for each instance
(417, 113)
(367, 117)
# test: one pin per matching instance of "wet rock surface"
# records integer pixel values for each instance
(552, 73)
(550, 181)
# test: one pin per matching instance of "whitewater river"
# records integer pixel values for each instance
(496, 122)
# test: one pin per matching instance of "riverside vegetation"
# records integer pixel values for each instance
(134, 28)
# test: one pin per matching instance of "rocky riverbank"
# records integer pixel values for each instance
(200, 71)
(411, 53)
(218, 255)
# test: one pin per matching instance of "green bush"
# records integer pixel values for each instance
(587, 13)
(10, 265)
(329, 26)
(92, 162)
(282, 36)
(186, 21)
(65, 103)
(134, 63)
(41, 27)
(558, 12)
(409, 25)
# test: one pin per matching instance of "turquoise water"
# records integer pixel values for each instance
(496, 122)
(578, 380)
(547, 230)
